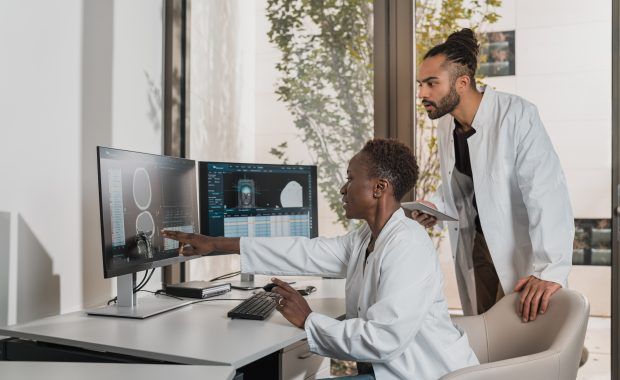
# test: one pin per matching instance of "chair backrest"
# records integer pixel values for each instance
(499, 333)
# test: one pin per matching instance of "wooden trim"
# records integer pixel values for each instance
(615, 190)
(174, 78)
(175, 88)
(394, 62)
(381, 66)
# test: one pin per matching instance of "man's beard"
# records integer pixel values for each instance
(446, 104)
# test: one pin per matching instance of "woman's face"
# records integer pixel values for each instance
(357, 192)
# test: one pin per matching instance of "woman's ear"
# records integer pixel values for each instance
(381, 187)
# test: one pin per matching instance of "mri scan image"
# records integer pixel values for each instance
(245, 193)
(145, 225)
(292, 195)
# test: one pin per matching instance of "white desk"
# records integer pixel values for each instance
(110, 371)
(200, 334)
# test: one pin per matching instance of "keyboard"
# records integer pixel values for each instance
(259, 306)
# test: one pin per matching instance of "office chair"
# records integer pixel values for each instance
(508, 349)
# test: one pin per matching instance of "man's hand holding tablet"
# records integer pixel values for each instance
(426, 213)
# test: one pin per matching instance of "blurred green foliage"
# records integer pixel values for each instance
(326, 78)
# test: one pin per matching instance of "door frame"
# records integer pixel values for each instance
(615, 189)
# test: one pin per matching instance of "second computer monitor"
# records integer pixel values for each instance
(258, 200)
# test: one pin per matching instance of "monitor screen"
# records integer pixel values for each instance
(258, 200)
(139, 195)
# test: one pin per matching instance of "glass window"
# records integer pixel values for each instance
(275, 81)
(283, 81)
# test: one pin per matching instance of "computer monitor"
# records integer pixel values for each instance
(139, 195)
(257, 200)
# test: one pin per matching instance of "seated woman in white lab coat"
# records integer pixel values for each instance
(397, 323)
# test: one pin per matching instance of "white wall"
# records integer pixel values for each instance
(39, 149)
(70, 82)
(563, 63)
(137, 75)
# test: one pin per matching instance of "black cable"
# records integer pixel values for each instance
(161, 292)
(225, 276)
(139, 287)
(146, 272)
(147, 277)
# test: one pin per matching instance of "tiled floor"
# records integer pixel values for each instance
(598, 342)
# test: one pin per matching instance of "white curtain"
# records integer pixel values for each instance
(222, 80)
(222, 95)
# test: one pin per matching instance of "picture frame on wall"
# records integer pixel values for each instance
(497, 54)
(592, 243)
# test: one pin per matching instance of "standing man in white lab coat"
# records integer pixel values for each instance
(502, 177)
(397, 324)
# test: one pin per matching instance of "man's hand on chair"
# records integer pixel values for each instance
(535, 296)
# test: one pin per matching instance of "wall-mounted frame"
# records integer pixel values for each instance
(592, 244)
(497, 54)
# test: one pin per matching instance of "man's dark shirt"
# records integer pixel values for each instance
(463, 162)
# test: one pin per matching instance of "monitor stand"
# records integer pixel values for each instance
(247, 283)
(127, 303)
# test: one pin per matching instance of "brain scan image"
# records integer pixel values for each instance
(145, 223)
(245, 193)
(292, 195)
(142, 188)
(144, 244)
(145, 227)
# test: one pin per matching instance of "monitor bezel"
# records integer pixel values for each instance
(138, 267)
(203, 167)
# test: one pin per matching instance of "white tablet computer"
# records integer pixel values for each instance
(427, 210)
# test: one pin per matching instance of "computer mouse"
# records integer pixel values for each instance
(308, 290)
(269, 287)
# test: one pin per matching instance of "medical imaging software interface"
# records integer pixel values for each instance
(258, 200)
(140, 195)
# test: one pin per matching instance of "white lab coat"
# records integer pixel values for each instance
(521, 194)
(397, 317)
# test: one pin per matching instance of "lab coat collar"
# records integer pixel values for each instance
(485, 110)
(385, 231)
